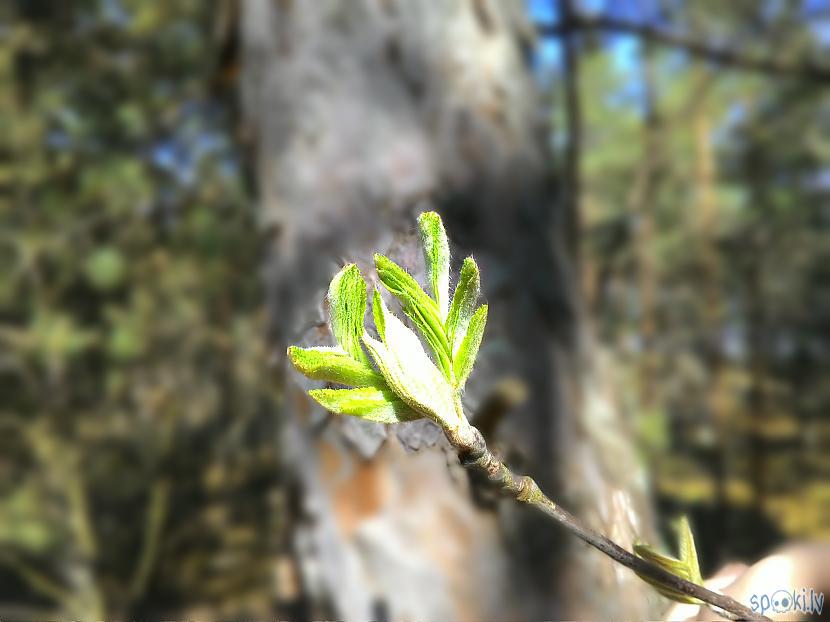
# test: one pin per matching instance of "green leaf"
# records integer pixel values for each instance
(125, 341)
(57, 336)
(437, 258)
(687, 567)
(463, 303)
(410, 373)
(377, 312)
(347, 300)
(369, 403)
(688, 551)
(333, 365)
(105, 268)
(420, 308)
(468, 349)
(667, 562)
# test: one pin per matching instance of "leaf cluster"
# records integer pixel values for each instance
(397, 380)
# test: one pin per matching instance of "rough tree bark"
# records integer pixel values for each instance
(365, 112)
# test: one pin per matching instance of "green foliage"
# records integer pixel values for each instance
(702, 190)
(378, 314)
(23, 525)
(371, 404)
(418, 306)
(465, 358)
(348, 364)
(445, 337)
(347, 300)
(686, 567)
(437, 258)
(407, 384)
(105, 268)
(132, 318)
(333, 365)
(463, 303)
(410, 373)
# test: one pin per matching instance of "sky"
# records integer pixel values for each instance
(624, 48)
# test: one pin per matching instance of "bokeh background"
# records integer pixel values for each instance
(645, 183)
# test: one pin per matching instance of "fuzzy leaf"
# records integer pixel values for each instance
(420, 308)
(437, 258)
(463, 303)
(377, 313)
(667, 562)
(468, 348)
(333, 365)
(686, 567)
(410, 373)
(664, 562)
(688, 551)
(347, 300)
(369, 403)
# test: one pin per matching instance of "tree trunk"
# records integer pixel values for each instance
(365, 112)
(645, 204)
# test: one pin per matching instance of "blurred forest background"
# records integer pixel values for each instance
(685, 147)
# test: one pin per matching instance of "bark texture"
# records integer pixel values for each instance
(365, 113)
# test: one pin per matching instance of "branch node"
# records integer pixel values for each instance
(527, 488)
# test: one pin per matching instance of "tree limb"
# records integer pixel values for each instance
(573, 147)
(723, 56)
(474, 454)
(36, 579)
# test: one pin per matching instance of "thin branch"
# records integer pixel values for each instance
(573, 145)
(153, 523)
(36, 579)
(723, 56)
(475, 455)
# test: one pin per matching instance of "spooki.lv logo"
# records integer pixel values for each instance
(782, 601)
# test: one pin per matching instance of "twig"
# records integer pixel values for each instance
(723, 56)
(36, 579)
(474, 454)
(426, 391)
(153, 523)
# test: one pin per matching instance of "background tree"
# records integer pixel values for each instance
(136, 466)
(364, 113)
(682, 285)
(178, 180)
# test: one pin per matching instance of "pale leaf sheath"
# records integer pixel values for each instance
(410, 373)
(419, 307)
